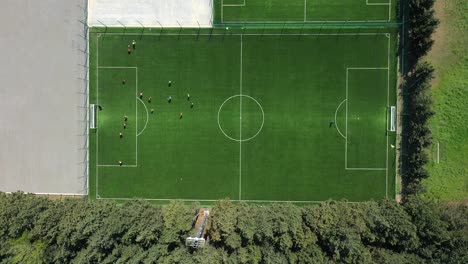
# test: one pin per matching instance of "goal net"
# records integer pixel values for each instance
(392, 113)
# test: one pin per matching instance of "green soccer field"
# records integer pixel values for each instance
(303, 11)
(275, 117)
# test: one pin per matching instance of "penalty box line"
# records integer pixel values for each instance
(97, 116)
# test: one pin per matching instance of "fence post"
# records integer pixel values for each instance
(142, 30)
(105, 26)
(180, 29)
(125, 28)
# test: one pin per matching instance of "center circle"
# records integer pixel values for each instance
(241, 117)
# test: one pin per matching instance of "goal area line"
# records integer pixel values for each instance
(304, 19)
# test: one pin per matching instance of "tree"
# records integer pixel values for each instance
(422, 24)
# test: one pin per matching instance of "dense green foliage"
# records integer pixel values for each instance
(35, 230)
(419, 136)
(447, 167)
(422, 24)
(417, 99)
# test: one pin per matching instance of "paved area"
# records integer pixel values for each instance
(42, 141)
(150, 13)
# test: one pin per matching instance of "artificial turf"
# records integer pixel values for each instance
(264, 122)
(299, 11)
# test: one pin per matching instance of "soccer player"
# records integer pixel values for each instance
(169, 99)
(149, 99)
(100, 107)
(124, 81)
(120, 135)
(120, 163)
(125, 118)
(125, 125)
(134, 44)
(129, 51)
(152, 110)
(141, 95)
(191, 105)
(188, 97)
(330, 124)
(169, 83)
(181, 115)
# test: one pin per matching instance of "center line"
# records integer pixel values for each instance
(240, 125)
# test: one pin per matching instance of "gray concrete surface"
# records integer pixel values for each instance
(151, 13)
(42, 128)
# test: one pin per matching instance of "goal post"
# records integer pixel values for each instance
(92, 116)
(392, 114)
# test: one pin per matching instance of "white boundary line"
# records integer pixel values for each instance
(249, 34)
(97, 116)
(388, 104)
(240, 120)
(222, 2)
(64, 194)
(213, 200)
(389, 4)
(132, 166)
(376, 169)
(336, 124)
(147, 117)
(305, 10)
(260, 201)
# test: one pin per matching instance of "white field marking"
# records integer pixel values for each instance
(388, 104)
(147, 117)
(97, 116)
(247, 34)
(115, 67)
(214, 200)
(305, 10)
(240, 120)
(250, 34)
(389, 4)
(222, 8)
(346, 143)
(336, 124)
(243, 4)
(308, 21)
(263, 118)
(87, 121)
(136, 115)
(366, 169)
(346, 123)
(132, 166)
(52, 193)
